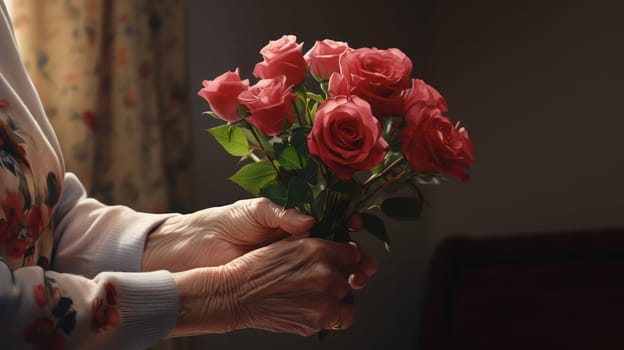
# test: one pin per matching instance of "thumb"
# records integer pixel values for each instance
(272, 215)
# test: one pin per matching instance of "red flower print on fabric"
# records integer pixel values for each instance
(20, 228)
(111, 293)
(41, 295)
(44, 335)
(14, 238)
(104, 314)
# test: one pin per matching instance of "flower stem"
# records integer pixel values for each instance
(307, 109)
(384, 172)
(383, 186)
(266, 154)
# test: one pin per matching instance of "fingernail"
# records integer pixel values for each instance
(304, 219)
(355, 222)
(357, 280)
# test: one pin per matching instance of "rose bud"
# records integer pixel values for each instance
(269, 103)
(282, 57)
(221, 94)
(323, 57)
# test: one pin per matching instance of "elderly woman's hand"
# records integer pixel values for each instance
(295, 285)
(215, 236)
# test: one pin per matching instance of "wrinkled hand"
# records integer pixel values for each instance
(296, 286)
(216, 236)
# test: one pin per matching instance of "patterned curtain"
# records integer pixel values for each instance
(112, 75)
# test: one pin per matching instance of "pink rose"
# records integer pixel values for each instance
(323, 57)
(422, 93)
(378, 76)
(346, 136)
(222, 92)
(269, 103)
(432, 144)
(282, 57)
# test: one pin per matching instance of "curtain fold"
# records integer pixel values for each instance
(112, 75)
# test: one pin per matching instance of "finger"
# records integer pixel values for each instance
(269, 214)
(296, 223)
(356, 222)
(369, 265)
(340, 288)
(346, 256)
(358, 280)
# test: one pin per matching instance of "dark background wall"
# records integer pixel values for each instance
(537, 83)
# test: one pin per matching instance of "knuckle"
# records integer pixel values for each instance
(256, 203)
(324, 278)
(314, 247)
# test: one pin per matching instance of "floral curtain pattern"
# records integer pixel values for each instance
(112, 76)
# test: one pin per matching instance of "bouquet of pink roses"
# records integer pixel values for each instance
(327, 132)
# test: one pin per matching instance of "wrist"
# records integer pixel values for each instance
(209, 301)
(175, 237)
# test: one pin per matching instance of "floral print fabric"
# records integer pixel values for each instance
(28, 194)
(48, 224)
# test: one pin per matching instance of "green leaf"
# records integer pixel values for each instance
(316, 97)
(377, 168)
(24, 190)
(325, 87)
(313, 110)
(252, 177)
(53, 190)
(387, 126)
(376, 226)
(297, 192)
(242, 112)
(278, 147)
(300, 92)
(67, 323)
(212, 114)
(346, 186)
(309, 173)
(231, 138)
(62, 307)
(255, 137)
(276, 192)
(299, 140)
(290, 159)
(402, 208)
